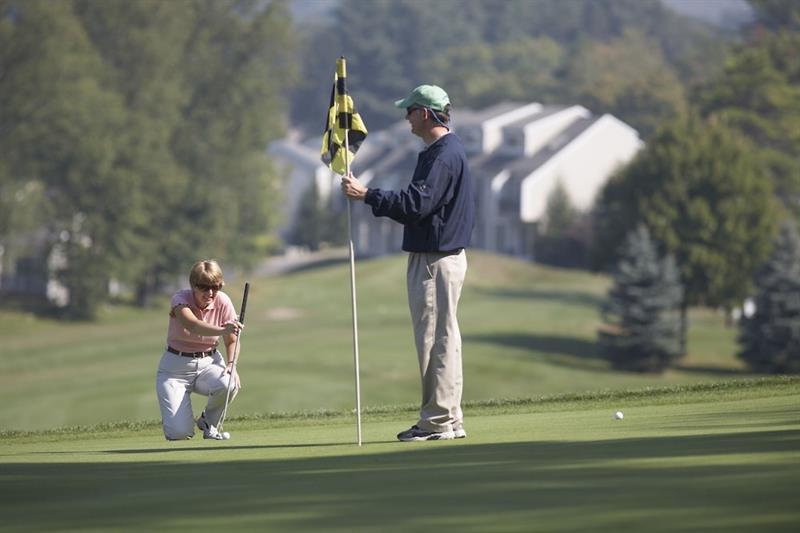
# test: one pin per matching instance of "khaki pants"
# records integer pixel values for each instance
(434, 288)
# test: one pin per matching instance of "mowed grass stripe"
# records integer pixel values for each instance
(727, 461)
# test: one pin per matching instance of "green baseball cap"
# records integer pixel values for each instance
(430, 96)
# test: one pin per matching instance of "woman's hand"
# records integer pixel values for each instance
(231, 369)
(232, 328)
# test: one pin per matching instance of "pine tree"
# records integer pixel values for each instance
(309, 228)
(770, 338)
(700, 189)
(642, 330)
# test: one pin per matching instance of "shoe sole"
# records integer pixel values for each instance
(459, 434)
(447, 435)
(203, 426)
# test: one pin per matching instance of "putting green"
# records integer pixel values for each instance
(713, 460)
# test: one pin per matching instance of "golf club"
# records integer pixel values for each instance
(235, 358)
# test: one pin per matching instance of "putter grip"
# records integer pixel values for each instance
(244, 302)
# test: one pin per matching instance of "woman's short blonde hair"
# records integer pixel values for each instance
(206, 272)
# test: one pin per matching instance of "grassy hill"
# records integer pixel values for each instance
(528, 331)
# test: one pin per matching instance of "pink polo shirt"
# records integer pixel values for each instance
(218, 312)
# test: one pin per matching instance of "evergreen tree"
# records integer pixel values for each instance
(563, 235)
(319, 222)
(335, 230)
(310, 223)
(758, 95)
(643, 330)
(560, 214)
(770, 338)
(701, 191)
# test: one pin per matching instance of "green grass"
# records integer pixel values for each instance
(528, 331)
(721, 456)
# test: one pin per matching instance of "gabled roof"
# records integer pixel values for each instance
(545, 112)
(527, 165)
(471, 117)
(487, 166)
(297, 153)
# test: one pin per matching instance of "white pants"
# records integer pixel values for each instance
(177, 378)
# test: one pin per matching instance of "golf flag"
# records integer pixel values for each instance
(344, 129)
(344, 133)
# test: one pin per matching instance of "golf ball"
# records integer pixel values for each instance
(226, 435)
(618, 415)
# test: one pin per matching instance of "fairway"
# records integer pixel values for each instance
(722, 457)
(528, 330)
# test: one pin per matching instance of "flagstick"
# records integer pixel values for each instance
(353, 293)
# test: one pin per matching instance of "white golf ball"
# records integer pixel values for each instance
(618, 415)
(226, 435)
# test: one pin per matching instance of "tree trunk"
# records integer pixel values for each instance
(684, 326)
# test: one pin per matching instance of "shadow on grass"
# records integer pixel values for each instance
(691, 482)
(570, 297)
(558, 350)
(229, 448)
(707, 369)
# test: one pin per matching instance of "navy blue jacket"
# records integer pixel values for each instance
(437, 209)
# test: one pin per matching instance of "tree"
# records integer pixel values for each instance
(144, 126)
(758, 95)
(700, 190)
(770, 338)
(484, 49)
(563, 236)
(62, 129)
(143, 45)
(778, 13)
(237, 71)
(310, 226)
(642, 330)
(630, 78)
(525, 69)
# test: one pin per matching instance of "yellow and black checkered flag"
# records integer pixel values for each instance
(344, 129)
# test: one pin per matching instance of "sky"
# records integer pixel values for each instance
(724, 13)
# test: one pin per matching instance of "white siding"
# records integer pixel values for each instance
(541, 132)
(583, 167)
(508, 202)
(493, 128)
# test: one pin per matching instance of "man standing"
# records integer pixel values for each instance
(437, 211)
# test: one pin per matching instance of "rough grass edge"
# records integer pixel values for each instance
(606, 395)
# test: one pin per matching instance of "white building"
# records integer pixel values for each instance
(518, 155)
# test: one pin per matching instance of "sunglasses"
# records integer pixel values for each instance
(410, 110)
(203, 287)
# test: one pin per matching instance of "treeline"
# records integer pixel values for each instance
(701, 205)
(133, 132)
(133, 136)
(632, 58)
